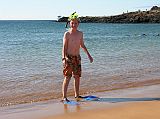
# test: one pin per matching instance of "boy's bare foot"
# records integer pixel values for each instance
(65, 100)
(78, 98)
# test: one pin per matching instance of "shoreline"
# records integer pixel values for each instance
(47, 97)
(112, 100)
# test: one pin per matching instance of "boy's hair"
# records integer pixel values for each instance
(73, 16)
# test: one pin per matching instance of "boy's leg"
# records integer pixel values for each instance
(76, 85)
(65, 86)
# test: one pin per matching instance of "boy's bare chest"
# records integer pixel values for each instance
(74, 40)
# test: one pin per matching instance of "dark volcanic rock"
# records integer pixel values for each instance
(151, 16)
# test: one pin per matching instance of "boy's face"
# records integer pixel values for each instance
(74, 23)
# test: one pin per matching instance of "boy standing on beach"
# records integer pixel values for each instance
(72, 42)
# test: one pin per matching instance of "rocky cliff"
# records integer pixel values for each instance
(151, 16)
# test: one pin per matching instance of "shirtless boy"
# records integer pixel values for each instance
(72, 42)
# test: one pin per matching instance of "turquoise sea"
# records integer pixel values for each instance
(125, 55)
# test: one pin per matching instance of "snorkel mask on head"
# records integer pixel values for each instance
(72, 17)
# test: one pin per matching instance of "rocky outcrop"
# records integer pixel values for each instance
(155, 8)
(151, 16)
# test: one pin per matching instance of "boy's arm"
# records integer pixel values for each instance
(85, 49)
(64, 48)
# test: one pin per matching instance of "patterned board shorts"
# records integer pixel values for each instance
(72, 66)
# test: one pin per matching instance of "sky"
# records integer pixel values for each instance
(50, 9)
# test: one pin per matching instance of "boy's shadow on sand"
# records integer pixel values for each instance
(116, 100)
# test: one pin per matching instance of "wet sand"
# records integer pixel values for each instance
(137, 110)
(140, 103)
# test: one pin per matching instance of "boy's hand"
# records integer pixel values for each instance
(64, 62)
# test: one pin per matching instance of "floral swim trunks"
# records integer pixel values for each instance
(72, 66)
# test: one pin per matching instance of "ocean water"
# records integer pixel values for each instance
(125, 55)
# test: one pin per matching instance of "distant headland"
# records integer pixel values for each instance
(148, 16)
